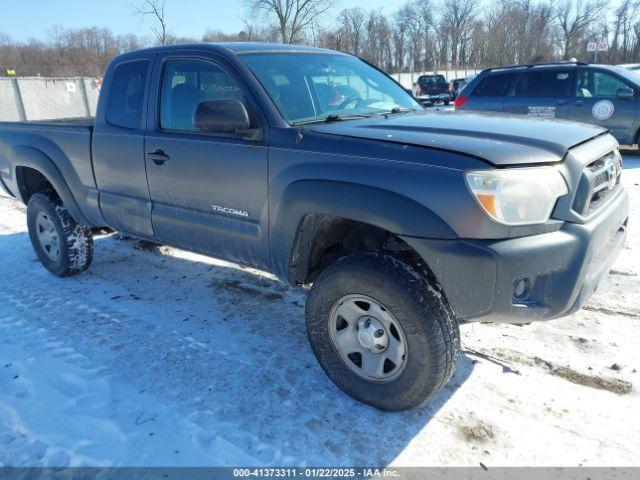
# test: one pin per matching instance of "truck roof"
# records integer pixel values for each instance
(550, 66)
(234, 48)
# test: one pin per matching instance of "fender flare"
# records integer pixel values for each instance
(375, 206)
(25, 156)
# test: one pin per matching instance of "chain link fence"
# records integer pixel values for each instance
(39, 98)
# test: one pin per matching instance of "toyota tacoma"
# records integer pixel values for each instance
(318, 167)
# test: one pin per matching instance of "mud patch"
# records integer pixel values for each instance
(613, 385)
(237, 287)
(584, 344)
(623, 273)
(476, 431)
(144, 245)
(611, 311)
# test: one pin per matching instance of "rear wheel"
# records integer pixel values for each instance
(62, 246)
(381, 332)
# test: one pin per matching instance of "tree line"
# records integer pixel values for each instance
(419, 35)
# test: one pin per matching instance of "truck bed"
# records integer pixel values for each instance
(67, 142)
(73, 121)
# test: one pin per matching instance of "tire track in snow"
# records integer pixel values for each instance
(76, 389)
(165, 356)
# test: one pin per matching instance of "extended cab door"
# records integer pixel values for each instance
(208, 188)
(596, 101)
(543, 93)
(118, 146)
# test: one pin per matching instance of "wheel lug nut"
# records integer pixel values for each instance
(367, 323)
(378, 333)
(379, 347)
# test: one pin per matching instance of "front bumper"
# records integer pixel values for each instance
(561, 269)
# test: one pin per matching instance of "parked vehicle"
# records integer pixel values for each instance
(430, 89)
(464, 84)
(603, 95)
(454, 87)
(316, 166)
(630, 66)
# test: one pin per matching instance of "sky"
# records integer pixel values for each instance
(24, 19)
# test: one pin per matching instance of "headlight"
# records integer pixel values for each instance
(517, 196)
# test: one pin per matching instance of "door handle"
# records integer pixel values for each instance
(579, 103)
(158, 157)
(562, 102)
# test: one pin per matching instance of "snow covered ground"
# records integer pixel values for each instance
(157, 358)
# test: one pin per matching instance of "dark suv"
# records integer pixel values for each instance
(598, 94)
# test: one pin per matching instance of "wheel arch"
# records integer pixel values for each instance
(35, 171)
(315, 217)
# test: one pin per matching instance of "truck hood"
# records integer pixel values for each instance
(498, 139)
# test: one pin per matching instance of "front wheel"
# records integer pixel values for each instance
(62, 246)
(381, 332)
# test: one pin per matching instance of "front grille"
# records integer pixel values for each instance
(599, 181)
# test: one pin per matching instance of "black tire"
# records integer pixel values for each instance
(75, 242)
(430, 328)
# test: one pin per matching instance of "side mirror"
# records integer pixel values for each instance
(222, 116)
(625, 93)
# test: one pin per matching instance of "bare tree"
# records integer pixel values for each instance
(457, 19)
(574, 19)
(292, 17)
(352, 22)
(400, 35)
(422, 28)
(155, 10)
(623, 35)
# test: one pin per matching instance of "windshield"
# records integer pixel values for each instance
(309, 87)
(631, 75)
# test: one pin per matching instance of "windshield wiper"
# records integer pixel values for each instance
(332, 117)
(400, 110)
(396, 110)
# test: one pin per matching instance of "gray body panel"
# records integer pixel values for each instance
(497, 139)
(62, 151)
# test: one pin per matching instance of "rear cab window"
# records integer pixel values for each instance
(126, 94)
(494, 86)
(544, 83)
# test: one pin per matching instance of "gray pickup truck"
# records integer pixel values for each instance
(318, 167)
